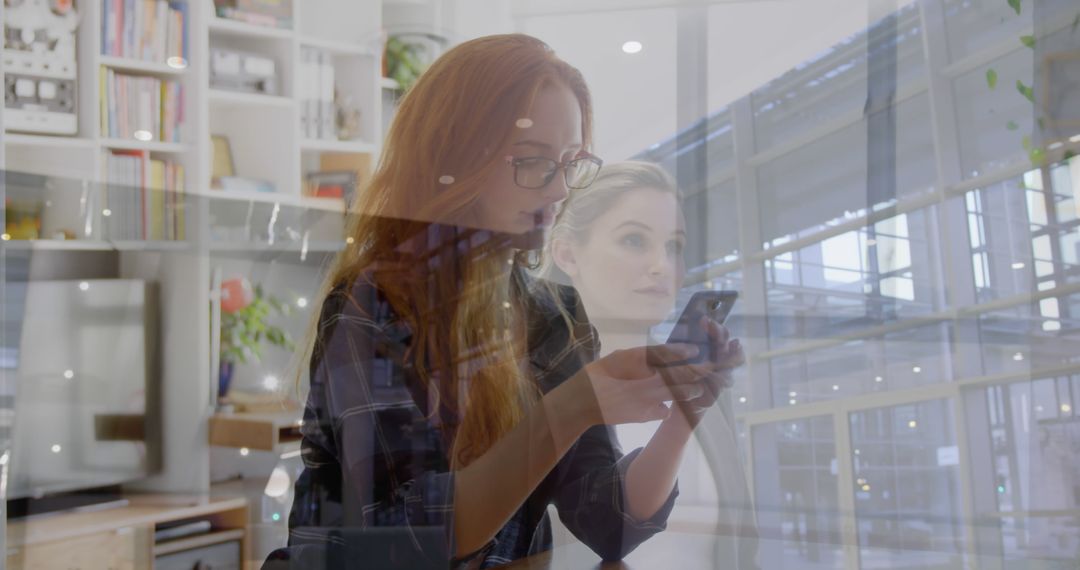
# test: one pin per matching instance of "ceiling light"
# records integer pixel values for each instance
(631, 47)
(271, 382)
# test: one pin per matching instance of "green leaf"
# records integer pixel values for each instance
(1012, 126)
(1026, 91)
(1015, 4)
(991, 78)
(1069, 154)
(1026, 143)
(1028, 41)
(1037, 156)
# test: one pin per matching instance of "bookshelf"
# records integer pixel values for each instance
(267, 141)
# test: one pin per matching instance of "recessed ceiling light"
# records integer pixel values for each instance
(301, 302)
(632, 47)
(271, 382)
(1018, 265)
(916, 369)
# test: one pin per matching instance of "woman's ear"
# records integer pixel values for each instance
(562, 254)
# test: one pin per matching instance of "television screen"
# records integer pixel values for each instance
(85, 384)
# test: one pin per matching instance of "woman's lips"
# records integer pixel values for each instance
(542, 218)
(654, 291)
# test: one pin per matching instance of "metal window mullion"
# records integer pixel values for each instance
(845, 482)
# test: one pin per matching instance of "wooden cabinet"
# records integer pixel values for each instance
(126, 548)
(122, 538)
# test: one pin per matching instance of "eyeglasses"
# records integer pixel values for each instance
(536, 172)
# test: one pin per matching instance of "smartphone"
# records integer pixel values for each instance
(714, 304)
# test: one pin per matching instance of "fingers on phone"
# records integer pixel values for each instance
(665, 355)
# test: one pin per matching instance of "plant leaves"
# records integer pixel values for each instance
(1028, 41)
(1068, 155)
(991, 78)
(1012, 126)
(1026, 91)
(1037, 156)
(1015, 4)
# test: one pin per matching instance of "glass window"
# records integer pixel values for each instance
(795, 484)
(907, 497)
(1033, 438)
(1030, 336)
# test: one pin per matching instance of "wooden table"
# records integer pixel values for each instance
(684, 551)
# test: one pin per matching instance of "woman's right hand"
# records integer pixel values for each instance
(622, 388)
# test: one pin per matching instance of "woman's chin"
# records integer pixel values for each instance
(529, 240)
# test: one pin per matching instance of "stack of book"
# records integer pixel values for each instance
(144, 197)
(317, 119)
(151, 30)
(144, 108)
(269, 13)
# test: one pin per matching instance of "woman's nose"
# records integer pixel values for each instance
(556, 190)
(661, 264)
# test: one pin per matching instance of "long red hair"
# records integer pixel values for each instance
(468, 346)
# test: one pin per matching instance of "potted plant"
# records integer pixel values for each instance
(244, 327)
(403, 62)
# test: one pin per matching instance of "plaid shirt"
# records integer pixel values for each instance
(374, 460)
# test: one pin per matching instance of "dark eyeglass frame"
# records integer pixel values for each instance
(515, 161)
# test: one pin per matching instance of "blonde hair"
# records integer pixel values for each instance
(439, 151)
(579, 211)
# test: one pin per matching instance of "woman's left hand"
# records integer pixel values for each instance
(725, 354)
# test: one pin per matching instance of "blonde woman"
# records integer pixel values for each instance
(619, 242)
(452, 398)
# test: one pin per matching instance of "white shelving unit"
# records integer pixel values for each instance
(267, 143)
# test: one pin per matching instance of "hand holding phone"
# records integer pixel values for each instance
(715, 305)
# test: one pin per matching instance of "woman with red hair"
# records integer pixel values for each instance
(452, 397)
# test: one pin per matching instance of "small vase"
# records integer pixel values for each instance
(225, 376)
